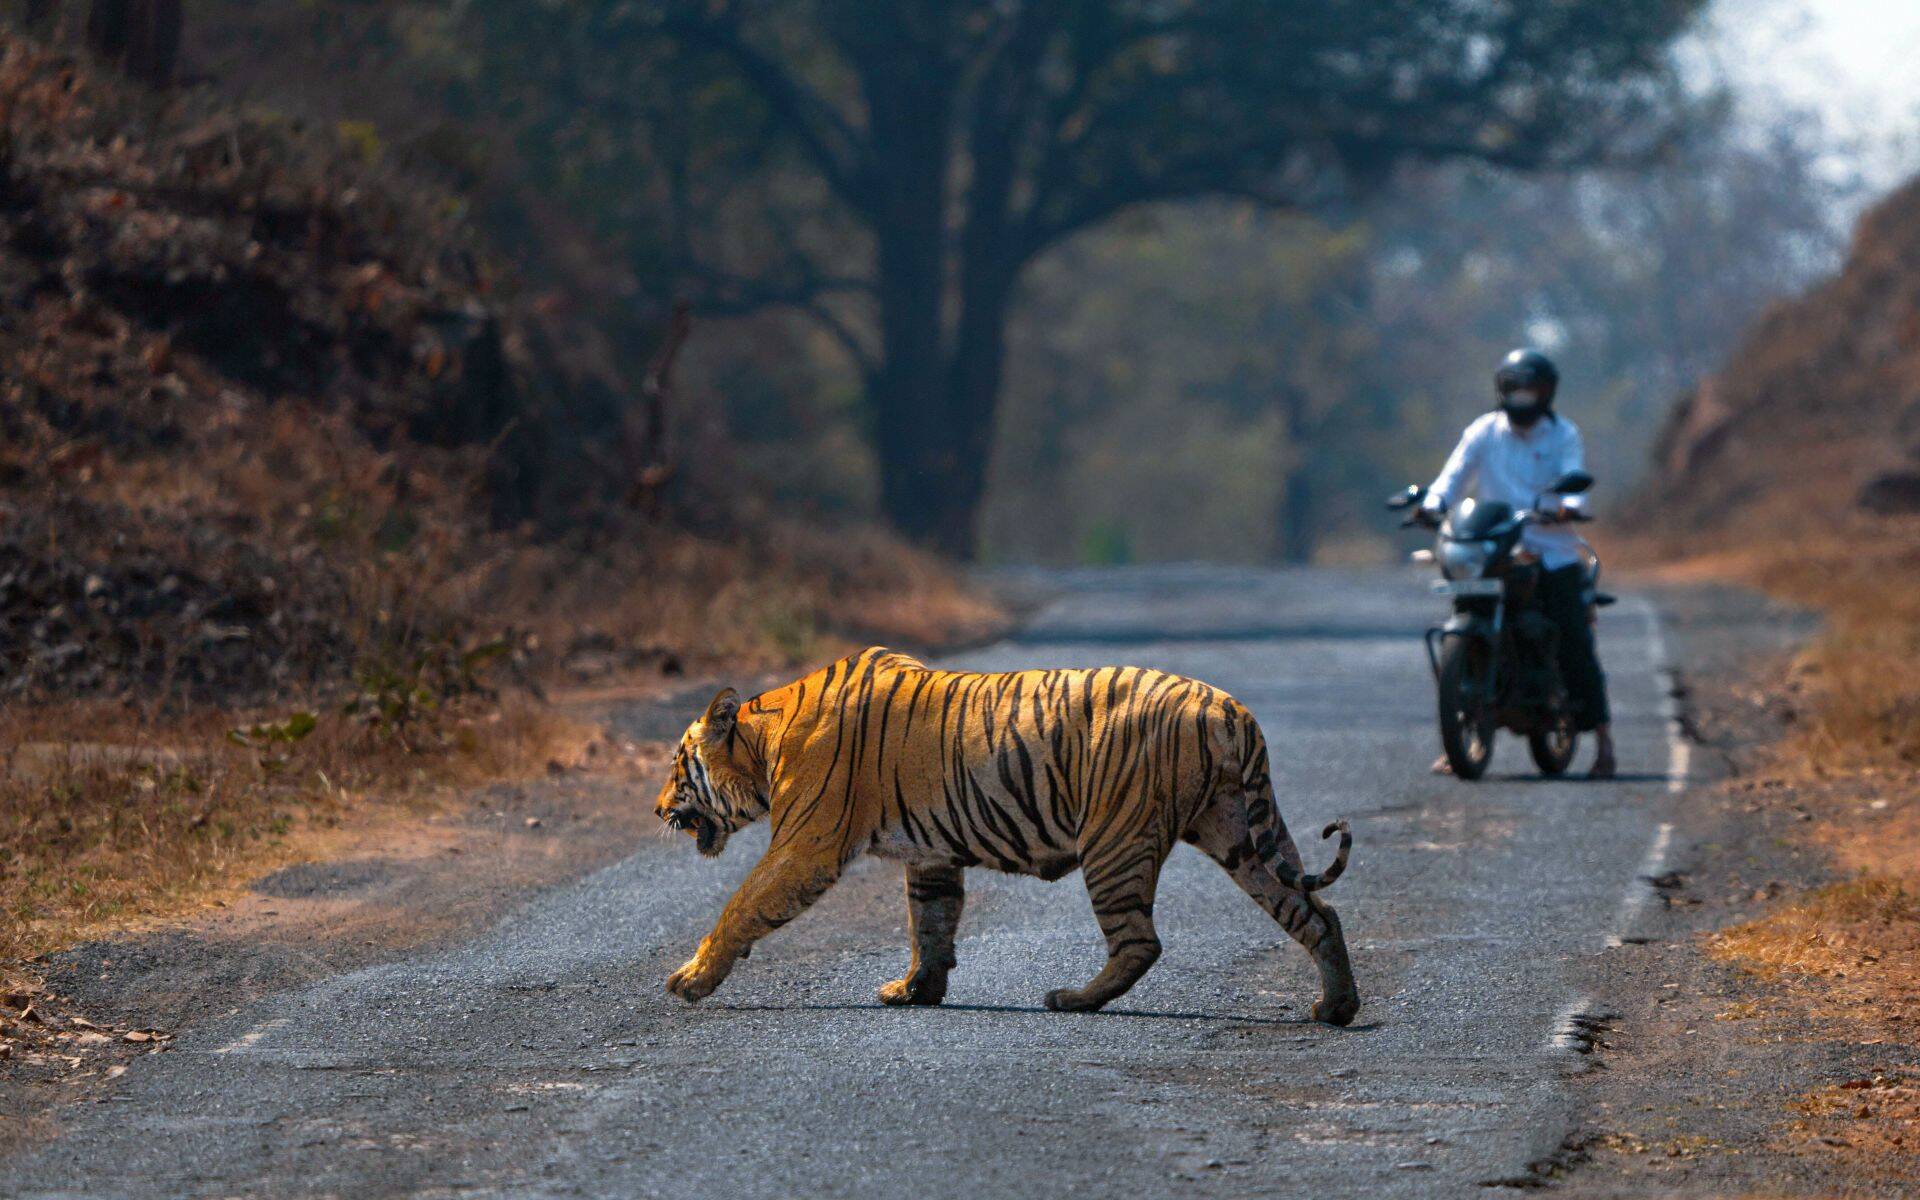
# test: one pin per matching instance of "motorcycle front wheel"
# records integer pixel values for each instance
(1553, 748)
(1466, 716)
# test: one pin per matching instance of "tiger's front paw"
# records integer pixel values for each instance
(695, 981)
(914, 989)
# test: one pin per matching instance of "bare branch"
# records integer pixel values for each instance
(832, 144)
(864, 359)
(646, 451)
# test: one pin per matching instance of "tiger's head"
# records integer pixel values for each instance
(716, 785)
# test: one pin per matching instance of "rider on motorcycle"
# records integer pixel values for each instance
(1513, 454)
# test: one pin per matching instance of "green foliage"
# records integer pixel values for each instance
(1244, 385)
(1106, 544)
(397, 692)
(271, 741)
(363, 139)
(285, 733)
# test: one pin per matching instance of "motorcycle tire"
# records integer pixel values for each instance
(1553, 749)
(1467, 736)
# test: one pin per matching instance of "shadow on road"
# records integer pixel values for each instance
(1534, 777)
(1036, 1010)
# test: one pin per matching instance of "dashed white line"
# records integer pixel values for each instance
(1640, 892)
(1560, 1035)
(1565, 1032)
(1679, 764)
(1679, 752)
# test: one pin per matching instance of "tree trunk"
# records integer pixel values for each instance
(972, 396)
(915, 436)
(141, 36)
(936, 408)
(107, 25)
(39, 12)
(1293, 532)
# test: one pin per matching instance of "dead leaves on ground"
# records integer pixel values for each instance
(38, 1034)
(1869, 1118)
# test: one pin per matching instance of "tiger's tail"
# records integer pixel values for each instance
(1270, 837)
(1314, 883)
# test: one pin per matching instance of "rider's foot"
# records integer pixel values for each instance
(1603, 764)
(1442, 766)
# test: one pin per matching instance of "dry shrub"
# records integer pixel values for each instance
(107, 817)
(779, 595)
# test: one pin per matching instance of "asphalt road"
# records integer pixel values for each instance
(542, 1058)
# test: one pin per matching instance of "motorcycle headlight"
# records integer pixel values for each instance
(1465, 560)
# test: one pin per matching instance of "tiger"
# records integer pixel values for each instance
(1033, 772)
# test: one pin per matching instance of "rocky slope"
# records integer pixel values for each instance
(271, 413)
(1816, 419)
(233, 361)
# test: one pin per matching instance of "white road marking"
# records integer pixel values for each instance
(1641, 892)
(1578, 1026)
(1679, 751)
(252, 1037)
(1564, 1033)
(1560, 1033)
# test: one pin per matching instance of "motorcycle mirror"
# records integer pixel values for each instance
(1572, 483)
(1407, 499)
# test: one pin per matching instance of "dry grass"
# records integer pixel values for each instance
(1851, 756)
(1840, 932)
(107, 818)
(1859, 682)
(1847, 956)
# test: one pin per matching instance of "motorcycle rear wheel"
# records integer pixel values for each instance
(1553, 748)
(1466, 724)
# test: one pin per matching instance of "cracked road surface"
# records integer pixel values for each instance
(542, 1058)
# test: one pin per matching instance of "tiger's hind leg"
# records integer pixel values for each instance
(1221, 832)
(935, 896)
(1122, 885)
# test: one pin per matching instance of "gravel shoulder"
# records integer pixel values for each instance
(1697, 1084)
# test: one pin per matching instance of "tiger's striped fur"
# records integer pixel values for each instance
(1035, 772)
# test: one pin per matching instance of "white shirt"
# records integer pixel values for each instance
(1497, 462)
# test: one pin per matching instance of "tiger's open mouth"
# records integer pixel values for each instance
(708, 837)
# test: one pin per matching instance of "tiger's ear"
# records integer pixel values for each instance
(722, 713)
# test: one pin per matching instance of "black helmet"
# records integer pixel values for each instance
(1528, 369)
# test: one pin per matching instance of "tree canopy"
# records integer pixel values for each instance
(892, 170)
(961, 140)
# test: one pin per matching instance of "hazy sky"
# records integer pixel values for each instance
(1856, 62)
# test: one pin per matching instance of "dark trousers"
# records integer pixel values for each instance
(1562, 598)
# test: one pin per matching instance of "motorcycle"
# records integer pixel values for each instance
(1496, 661)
